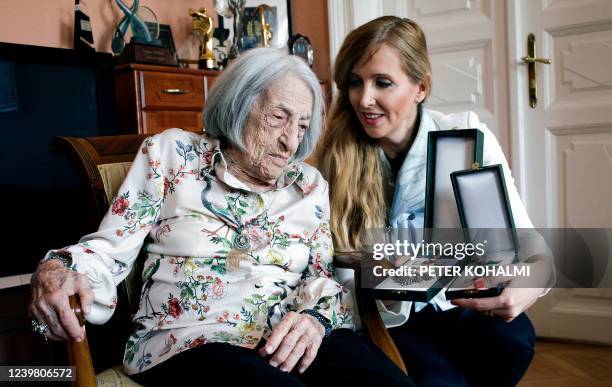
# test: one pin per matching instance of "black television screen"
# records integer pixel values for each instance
(44, 93)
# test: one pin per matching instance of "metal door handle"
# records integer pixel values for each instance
(176, 91)
(528, 59)
(531, 59)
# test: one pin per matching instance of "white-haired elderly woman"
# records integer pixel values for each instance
(239, 282)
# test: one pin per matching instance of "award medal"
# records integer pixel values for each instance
(239, 252)
(248, 238)
(244, 242)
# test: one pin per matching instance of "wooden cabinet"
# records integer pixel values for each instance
(151, 99)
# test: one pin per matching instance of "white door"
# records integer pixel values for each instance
(561, 151)
(467, 43)
(562, 148)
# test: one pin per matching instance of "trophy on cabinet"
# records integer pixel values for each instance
(203, 29)
(83, 36)
(144, 45)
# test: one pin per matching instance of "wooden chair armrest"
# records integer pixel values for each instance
(380, 336)
(368, 311)
(78, 352)
(350, 260)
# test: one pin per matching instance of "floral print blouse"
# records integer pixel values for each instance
(180, 201)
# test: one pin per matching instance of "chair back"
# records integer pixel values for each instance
(102, 164)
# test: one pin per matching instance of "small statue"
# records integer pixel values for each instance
(140, 32)
(235, 9)
(203, 29)
(220, 34)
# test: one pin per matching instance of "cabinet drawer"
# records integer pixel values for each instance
(210, 80)
(156, 121)
(174, 91)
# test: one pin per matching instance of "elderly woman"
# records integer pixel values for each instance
(238, 279)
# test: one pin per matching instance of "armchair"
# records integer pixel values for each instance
(102, 164)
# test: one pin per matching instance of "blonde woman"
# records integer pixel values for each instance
(374, 157)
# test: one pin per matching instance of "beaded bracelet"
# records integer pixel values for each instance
(324, 321)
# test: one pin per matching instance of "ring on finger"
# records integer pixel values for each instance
(40, 328)
(488, 313)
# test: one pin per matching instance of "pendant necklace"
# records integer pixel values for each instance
(242, 244)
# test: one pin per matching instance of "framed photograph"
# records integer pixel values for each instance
(277, 15)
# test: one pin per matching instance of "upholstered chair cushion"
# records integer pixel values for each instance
(112, 176)
(114, 377)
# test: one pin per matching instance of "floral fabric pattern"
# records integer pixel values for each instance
(180, 199)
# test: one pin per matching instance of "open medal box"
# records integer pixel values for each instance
(461, 196)
(486, 218)
(418, 285)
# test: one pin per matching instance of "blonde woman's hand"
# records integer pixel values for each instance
(297, 336)
(519, 292)
(52, 284)
(508, 305)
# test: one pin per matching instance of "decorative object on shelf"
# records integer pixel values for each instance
(266, 32)
(144, 45)
(232, 9)
(300, 45)
(220, 36)
(258, 32)
(164, 37)
(83, 36)
(247, 32)
(140, 32)
(202, 26)
(278, 16)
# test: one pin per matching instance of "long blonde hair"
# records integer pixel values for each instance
(348, 158)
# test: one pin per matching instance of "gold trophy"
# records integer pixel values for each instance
(202, 26)
(266, 31)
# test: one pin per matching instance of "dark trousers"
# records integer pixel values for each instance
(344, 359)
(461, 347)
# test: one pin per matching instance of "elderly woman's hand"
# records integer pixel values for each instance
(52, 284)
(297, 336)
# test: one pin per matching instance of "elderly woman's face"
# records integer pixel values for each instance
(275, 127)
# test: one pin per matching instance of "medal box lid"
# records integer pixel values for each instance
(447, 151)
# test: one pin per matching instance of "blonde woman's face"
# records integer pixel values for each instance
(384, 97)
